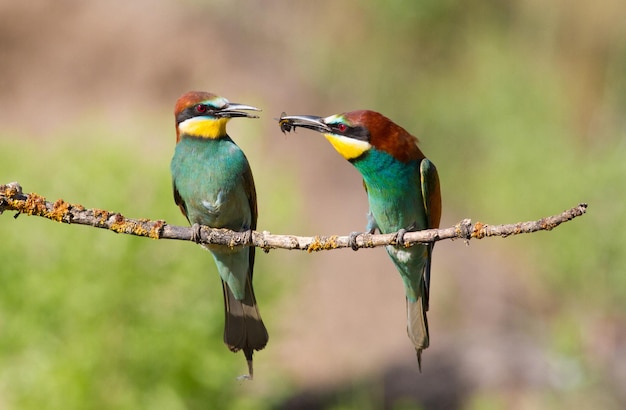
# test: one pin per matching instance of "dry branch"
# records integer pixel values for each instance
(13, 199)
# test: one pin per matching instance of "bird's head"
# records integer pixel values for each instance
(204, 115)
(354, 133)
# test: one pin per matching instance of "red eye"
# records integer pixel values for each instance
(342, 127)
(200, 108)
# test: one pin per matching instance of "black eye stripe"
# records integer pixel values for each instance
(358, 133)
(193, 111)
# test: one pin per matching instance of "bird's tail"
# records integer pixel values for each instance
(417, 325)
(243, 326)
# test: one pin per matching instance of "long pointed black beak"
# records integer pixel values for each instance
(233, 110)
(291, 122)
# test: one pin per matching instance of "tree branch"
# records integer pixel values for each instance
(13, 199)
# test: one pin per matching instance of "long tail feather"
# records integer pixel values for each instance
(243, 326)
(417, 326)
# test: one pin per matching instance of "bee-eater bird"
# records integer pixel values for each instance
(402, 187)
(213, 186)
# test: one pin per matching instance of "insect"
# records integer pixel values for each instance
(285, 125)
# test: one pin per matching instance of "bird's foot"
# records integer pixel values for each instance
(400, 237)
(247, 236)
(352, 240)
(353, 235)
(401, 232)
(196, 235)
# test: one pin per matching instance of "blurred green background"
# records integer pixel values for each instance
(521, 104)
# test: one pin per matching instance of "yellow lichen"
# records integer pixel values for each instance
(314, 246)
(60, 210)
(123, 225)
(331, 243)
(322, 244)
(479, 230)
(139, 230)
(34, 205)
(10, 191)
(155, 231)
(101, 215)
(118, 225)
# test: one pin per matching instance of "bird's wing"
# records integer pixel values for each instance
(372, 225)
(431, 195)
(248, 182)
(179, 201)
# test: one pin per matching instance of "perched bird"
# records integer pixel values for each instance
(213, 186)
(403, 192)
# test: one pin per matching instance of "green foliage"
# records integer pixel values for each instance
(94, 320)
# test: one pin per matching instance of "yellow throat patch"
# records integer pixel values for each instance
(204, 127)
(349, 148)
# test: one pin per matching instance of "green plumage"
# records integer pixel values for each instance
(213, 186)
(396, 193)
(210, 178)
(403, 191)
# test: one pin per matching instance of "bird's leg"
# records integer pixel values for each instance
(402, 232)
(370, 229)
(196, 235)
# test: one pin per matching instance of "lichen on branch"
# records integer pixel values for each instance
(12, 198)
